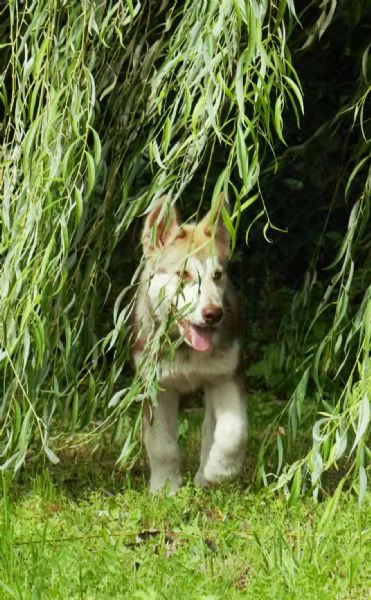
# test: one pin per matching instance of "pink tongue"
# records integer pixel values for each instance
(199, 338)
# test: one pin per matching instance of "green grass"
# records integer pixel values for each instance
(85, 531)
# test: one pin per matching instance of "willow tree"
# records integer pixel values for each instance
(108, 106)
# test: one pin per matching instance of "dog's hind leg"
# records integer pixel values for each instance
(160, 439)
(227, 450)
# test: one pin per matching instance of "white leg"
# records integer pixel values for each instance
(160, 439)
(207, 438)
(227, 451)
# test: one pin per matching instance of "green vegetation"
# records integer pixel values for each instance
(85, 535)
(107, 106)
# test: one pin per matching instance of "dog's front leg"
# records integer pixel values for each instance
(227, 450)
(207, 438)
(161, 442)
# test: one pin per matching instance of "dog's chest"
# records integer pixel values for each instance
(192, 370)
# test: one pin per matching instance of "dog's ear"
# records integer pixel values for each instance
(213, 224)
(159, 225)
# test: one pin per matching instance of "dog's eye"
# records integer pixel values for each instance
(217, 275)
(184, 276)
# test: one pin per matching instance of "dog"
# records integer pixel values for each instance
(185, 293)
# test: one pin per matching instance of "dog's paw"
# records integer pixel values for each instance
(168, 487)
(200, 478)
(215, 472)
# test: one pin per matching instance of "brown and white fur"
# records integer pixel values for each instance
(185, 275)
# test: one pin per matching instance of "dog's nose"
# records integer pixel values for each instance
(212, 314)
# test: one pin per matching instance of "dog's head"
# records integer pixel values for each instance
(186, 271)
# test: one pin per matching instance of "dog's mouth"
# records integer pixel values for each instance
(196, 336)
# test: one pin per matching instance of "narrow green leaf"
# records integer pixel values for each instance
(78, 206)
(295, 487)
(362, 479)
(90, 173)
(278, 118)
(363, 420)
(51, 455)
(166, 136)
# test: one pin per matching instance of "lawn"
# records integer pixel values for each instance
(82, 530)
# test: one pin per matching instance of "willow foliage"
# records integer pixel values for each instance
(106, 107)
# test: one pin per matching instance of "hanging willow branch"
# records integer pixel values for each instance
(106, 107)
